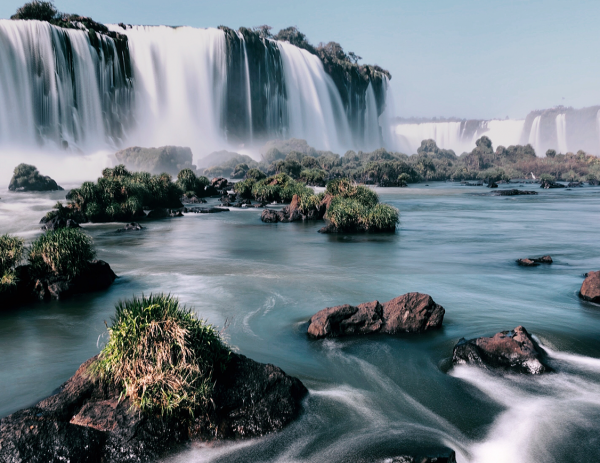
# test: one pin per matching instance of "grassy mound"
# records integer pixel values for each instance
(357, 208)
(280, 188)
(11, 253)
(162, 355)
(27, 178)
(64, 252)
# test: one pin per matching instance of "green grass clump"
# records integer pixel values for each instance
(280, 187)
(11, 253)
(187, 181)
(163, 356)
(65, 252)
(244, 188)
(309, 201)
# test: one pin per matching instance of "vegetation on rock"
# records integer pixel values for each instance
(163, 356)
(11, 253)
(27, 178)
(169, 159)
(63, 252)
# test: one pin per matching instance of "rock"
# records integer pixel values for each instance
(133, 226)
(542, 260)
(509, 350)
(159, 213)
(269, 216)
(574, 184)
(169, 159)
(446, 457)
(590, 289)
(27, 178)
(492, 185)
(527, 263)
(549, 184)
(192, 200)
(219, 183)
(593, 182)
(411, 313)
(87, 421)
(513, 192)
(57, 222)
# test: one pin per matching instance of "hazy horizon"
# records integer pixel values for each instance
(464, 60)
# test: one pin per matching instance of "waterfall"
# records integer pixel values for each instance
(534, 134)
(59, 89)
(314, 107)
(209, 89)
(561, 133)
(447, 135)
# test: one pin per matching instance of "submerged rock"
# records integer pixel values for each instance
(133, 226)
(447, 457)
(590, 289)
(549, 184)
(410, 313)
(513, 192)
(509, 350)
(88, 421)
(57, 222)
(534, 261)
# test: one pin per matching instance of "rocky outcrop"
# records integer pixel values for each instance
(27, 178)
(57, 222)
(590, 289)
(97, 276)
(87, 421)
(549, 184)
(534, 261)
(293, 213)
(169, 159)
(133, 226)
(219, 183)
(409, 313)
(513, 192)
(508, 350)
(162, 213)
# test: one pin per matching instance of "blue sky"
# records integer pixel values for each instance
(464, 58)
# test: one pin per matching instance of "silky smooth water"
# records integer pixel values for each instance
(374, 397)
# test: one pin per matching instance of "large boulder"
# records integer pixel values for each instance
(169, 159)
(88, 420)
(590, 289)
(27, 178)
(409, 313)
(512, 350)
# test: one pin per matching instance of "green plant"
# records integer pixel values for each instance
(383, 217)
(66, 251)
(547, 178)
(162, 355)
(188, 181)
(347, 214)
(42, 11)
(11, 253)
(244, 188)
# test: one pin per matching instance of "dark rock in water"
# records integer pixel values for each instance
(492, 185)
(28, 178)
(411, 313)
(269, 216)
(549, 184)
(509, 350)
(527, 263)
(133, 226)
(57, 222)
(447, 457)
(542, 260)
(192, 200)
(206, 210)
(219, 183)
(593, 182)
(574, 184)
(513, 192)
(87, 421)
(476, 183)
(590, 289)
(161, 213)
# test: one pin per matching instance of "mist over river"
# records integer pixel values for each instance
(371, 398)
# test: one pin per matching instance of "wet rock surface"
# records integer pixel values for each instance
(409, 313)
(132, 226)
(514, 351)
(534, 261)
(86, 422)
(513, 192)
(57, 222)
(590, 289)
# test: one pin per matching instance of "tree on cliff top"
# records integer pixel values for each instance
(42, 11)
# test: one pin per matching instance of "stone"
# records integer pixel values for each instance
(219, 183)
(590, 289)
(57, 222)
(512, 350)
(549, 184)
(27, 178)
(542, 260)
(269, 216)
(410, 313)
(527, 263)
(88, 421)
(513, 192)
(132, 226)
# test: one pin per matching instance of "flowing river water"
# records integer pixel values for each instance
(371, 398)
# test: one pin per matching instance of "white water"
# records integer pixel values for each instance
(314, 105)
(534, 134)
(561, 133)
(447, 135)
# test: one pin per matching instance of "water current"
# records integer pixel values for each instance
(370, 398)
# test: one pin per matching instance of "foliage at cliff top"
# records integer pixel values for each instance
(64, 252)
(163, 356)
(27, 178)
(357, 208)
(11, 253)
(120, 195)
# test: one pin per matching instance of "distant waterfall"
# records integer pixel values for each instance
(59, 88)
(561, 133)
(208, 89)
(534, 135)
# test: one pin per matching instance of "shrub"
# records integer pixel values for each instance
(547, 178)
(314, 177)
(162, 355)
(65, 251)
(347, 214)
(188, 181)
(244, 188)
(383, 217)
(255, 174)
(344, 188)
(27, 178)
(11, 253)
(309, 202)
(42, 11)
